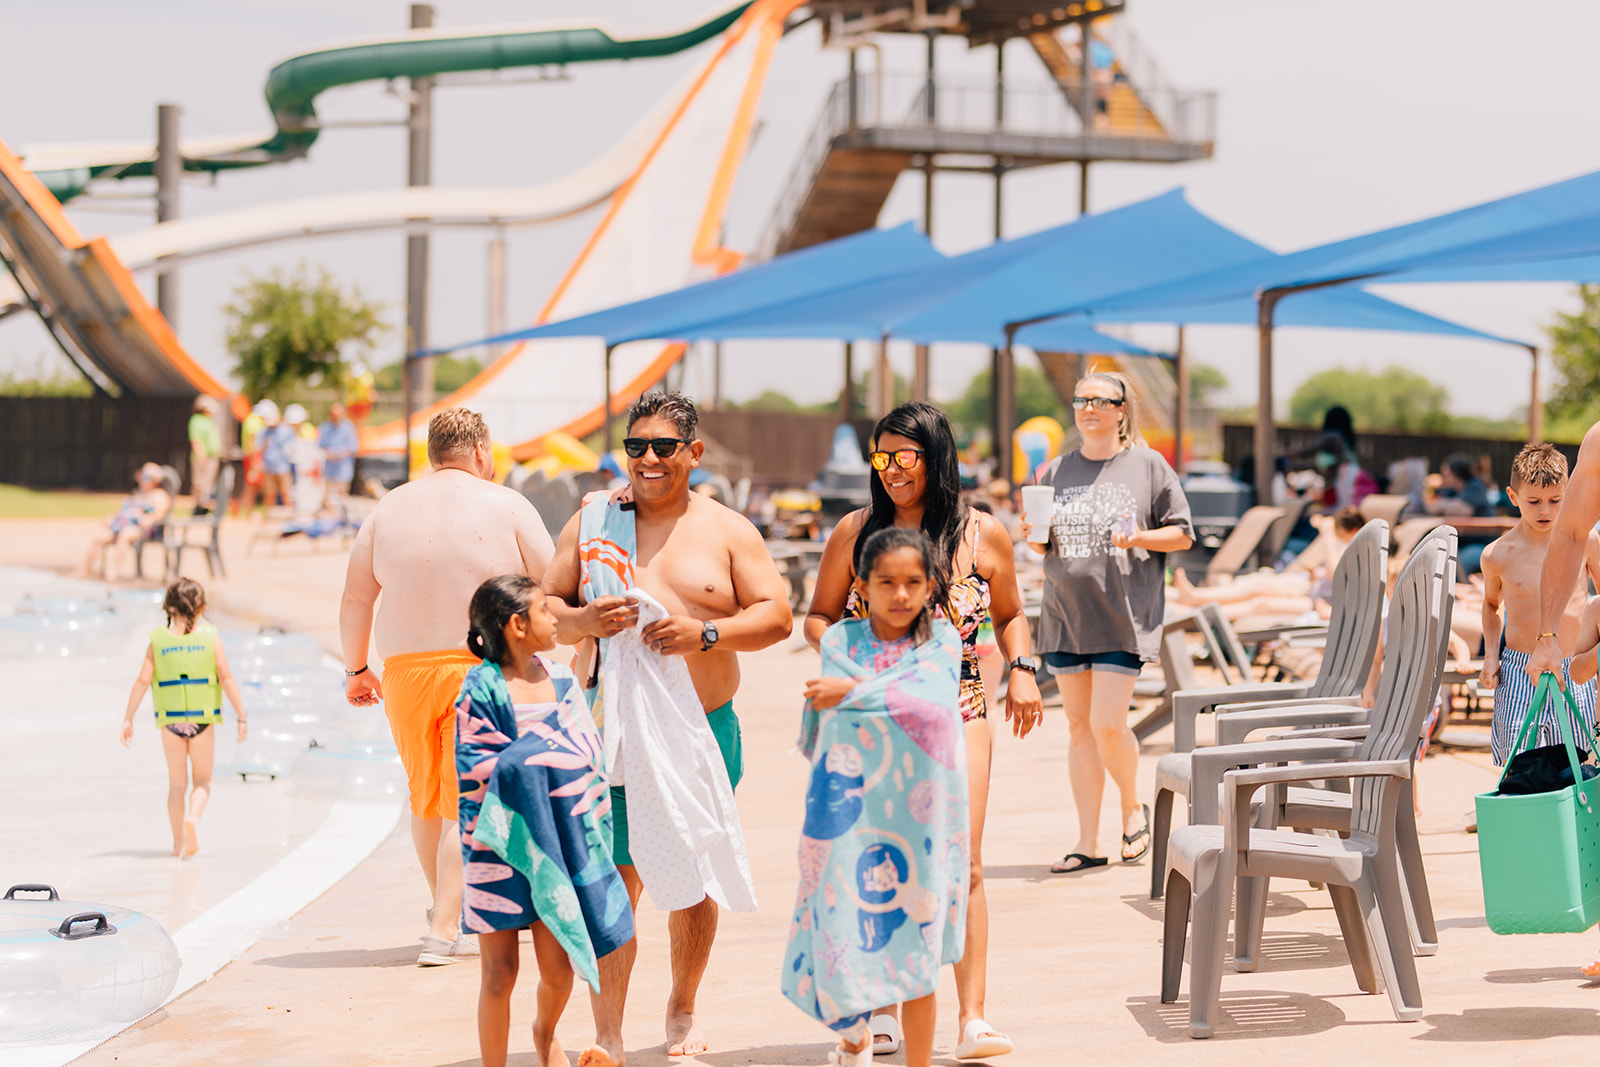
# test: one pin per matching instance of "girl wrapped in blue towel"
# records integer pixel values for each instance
(884, 847)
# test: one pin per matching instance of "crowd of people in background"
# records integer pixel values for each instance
(288, 462)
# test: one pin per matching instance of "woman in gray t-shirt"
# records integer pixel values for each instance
(1118, 511)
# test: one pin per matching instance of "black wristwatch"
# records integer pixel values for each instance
(1025, 663)
(708, 636)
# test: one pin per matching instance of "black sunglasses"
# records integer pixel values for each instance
(1098, 403)
(663, 447)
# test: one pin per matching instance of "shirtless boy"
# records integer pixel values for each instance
(1512, 567)
(427, 547)
(709, 568)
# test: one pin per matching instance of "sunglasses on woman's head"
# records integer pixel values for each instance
(663, 447)
(1095, 403)
(904, 458)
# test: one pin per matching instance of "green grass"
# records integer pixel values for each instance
(17, 502)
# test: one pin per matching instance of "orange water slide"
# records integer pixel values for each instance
(763, 24)
(87, 298)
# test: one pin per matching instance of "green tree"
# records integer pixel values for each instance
(1575, 351)
(286, 330)
(1205, 381)
(449, 374)
(768, 400)
(1392, 399)
(1035, 396)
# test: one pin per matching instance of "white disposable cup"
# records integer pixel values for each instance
(1038, 503)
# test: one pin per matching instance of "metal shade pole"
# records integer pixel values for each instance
(1180, 410)
(606, 442)
(169, 178)
(1266, 436)
(1535, 402)
(1006, 406)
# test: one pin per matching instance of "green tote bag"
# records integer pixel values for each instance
(1540, 853)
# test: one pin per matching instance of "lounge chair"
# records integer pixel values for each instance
(1239, 550)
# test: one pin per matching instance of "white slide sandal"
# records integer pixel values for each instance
(979, 1041)
(885, 1035)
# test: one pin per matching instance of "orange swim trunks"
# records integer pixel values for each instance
(419, 695)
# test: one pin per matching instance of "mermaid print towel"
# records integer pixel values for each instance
(884, 848)
(536, 820)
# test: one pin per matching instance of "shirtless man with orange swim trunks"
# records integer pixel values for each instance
(427, 547)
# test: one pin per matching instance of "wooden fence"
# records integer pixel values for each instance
(784, 448)
(1378, 450)
(89, 442)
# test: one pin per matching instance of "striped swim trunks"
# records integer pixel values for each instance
(1514, 695)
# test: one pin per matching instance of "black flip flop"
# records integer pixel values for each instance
(1133, 839)
(1077, 861)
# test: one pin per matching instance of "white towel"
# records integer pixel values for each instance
(683, 827)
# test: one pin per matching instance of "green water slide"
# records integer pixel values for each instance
(293, 86)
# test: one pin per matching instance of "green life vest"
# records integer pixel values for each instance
(186, 687)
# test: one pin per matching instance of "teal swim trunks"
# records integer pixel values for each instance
(725, 725)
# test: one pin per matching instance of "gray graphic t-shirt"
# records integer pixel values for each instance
(1098, 598)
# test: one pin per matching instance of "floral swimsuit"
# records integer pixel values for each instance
(967, 607)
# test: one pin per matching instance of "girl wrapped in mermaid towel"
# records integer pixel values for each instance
(883, 851)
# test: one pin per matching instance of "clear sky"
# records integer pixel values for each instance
(1333, 121)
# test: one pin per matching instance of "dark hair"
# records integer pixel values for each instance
(1349, 520)
(667, 404)
(943, 513)
(1460, 466)
(1337, 420)
(897, 537)
(493, 605)
(185, 599)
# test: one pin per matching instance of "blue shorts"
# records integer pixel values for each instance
(1513, 697)
(1074, 663)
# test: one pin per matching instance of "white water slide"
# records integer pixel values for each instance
(659, 233)
(665, 186)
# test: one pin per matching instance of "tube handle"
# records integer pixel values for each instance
(31, 887)
(102, 926)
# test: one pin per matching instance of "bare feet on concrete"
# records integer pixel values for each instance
(596, 1056)
(684, 1037)
(548, 1049)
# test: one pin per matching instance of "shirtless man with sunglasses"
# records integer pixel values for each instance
(709, 568)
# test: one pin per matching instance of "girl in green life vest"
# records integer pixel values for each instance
(187, 673)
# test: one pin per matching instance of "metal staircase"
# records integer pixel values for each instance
(875, 125)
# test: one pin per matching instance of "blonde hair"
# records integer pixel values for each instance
(1540, 465)
(454, 433)
(1128, 427)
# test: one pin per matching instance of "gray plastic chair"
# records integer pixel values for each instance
(1222, 645)
(210, 526)
(1362, 871)
(1353, 629)
(1307, 808)
(1242, 543)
